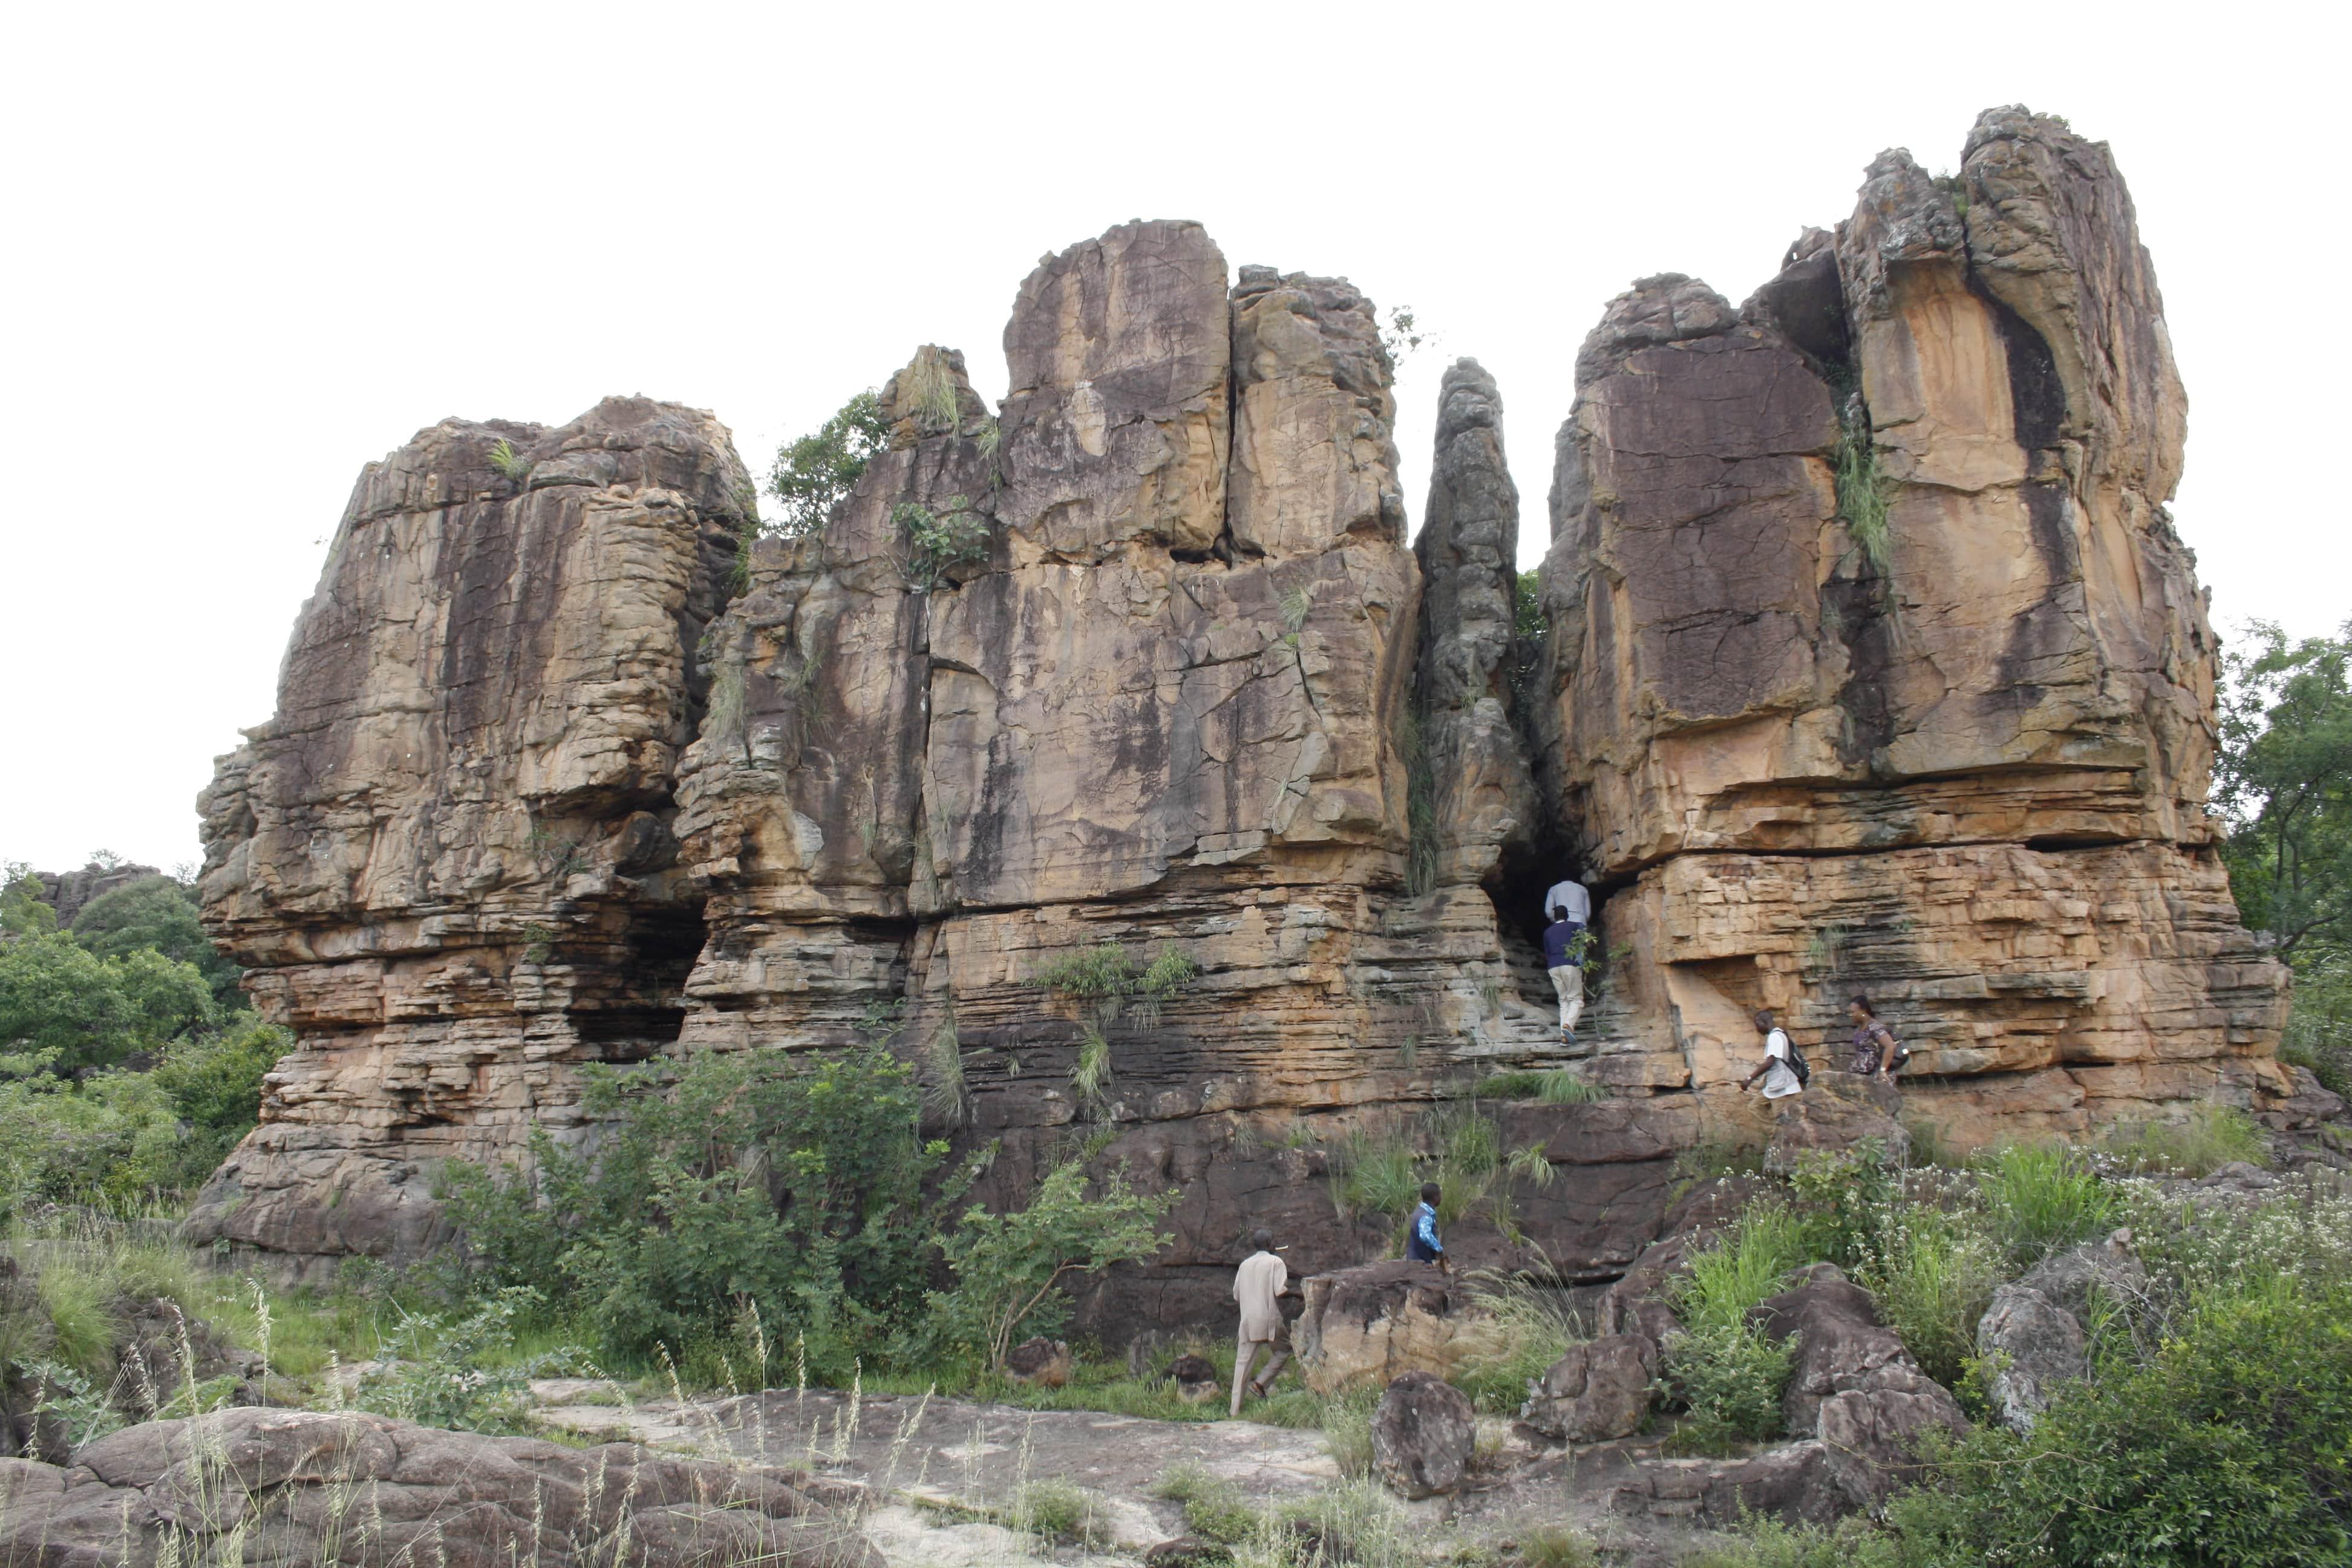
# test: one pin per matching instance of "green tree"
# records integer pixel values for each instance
(70, 1010)
(2284, 784)
(1006, 1265)
(23, 912)
(812, 474)
(157, 913)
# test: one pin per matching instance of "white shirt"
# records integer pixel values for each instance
(1256, 1283)
(1778, 1081)
(1570, 896)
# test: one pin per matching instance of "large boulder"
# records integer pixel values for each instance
(1597, 1391)
(1425, 1433)
(1853, 1386)
(303, 1486)
(2029, 1346)
(2072, 1278)
(1366, 1327)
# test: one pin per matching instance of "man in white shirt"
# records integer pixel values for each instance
(1781, 1080)
(1261, 1277)
(1570, 898)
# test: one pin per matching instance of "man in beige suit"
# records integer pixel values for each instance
(1261, 1277)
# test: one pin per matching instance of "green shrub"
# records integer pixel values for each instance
(813, 474)
(2209, 1138)
(67, 1010)
(1931, 1277)
(1055, 1509)
(1767, 1543)
(2231, 1444)
(2041, 1198)
(457, 1370)
(1356, 1523)
(940, 543)
(1348, 1431)
(1728, 1378)
(1006, 1265)
(1846, 1198)
(157, 913)
(1556, 1086)
(1557, 1546)
(792, 1183)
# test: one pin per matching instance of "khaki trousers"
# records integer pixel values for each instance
(1246, 1351)
(1568, 980)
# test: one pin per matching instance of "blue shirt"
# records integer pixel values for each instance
(1423, 1246)
(1560, 950)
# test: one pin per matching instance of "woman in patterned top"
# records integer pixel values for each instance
(1874, 1049)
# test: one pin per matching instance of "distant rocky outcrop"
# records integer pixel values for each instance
(67, 891)
(1871, 662)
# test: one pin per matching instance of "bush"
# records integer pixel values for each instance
(455, 1370)
(1557, 1085)
(1532, 1328)
(1214, 1510)
(1006, 1265)
(1767, 1543)
(2228, 1446)
(1741, 1268)
(1054, 1508)
(796, 1186)
(1846, 1198)
(159, 914)
(65, 1009)
(2042, 1198)
(1728, 1378)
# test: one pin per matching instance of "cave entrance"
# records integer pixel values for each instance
(643, 1011)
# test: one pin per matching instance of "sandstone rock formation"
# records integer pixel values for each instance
(1876, 663)
(1367, 1326)
(66, 892)
(1599, 1390)
(1852, 1385)
(448, 859)
(1872, 662)
(286, 1486)
(1424, 1432)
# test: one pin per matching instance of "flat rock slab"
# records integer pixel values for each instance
(925, 1460)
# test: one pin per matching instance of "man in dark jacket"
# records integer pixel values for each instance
(1564, 956)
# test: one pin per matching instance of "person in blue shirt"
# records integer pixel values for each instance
(1423, 1246)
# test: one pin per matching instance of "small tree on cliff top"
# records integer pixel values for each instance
(811, 474)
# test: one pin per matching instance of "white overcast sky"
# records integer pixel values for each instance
(250, 248)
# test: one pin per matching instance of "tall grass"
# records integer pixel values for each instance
(1742, 1267)
(1530, 1328)
(1931, 1275)
(2039, 1198)
(2209, 1138)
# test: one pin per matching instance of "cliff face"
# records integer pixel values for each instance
(448, 859)
(1877, 665)
(556, 779)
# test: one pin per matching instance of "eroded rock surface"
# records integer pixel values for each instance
(1875, 664)
(284, 1486)
(447, 860)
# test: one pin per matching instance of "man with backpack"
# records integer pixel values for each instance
(1784, 1068)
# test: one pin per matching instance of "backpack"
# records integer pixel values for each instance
(1796, 1059)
